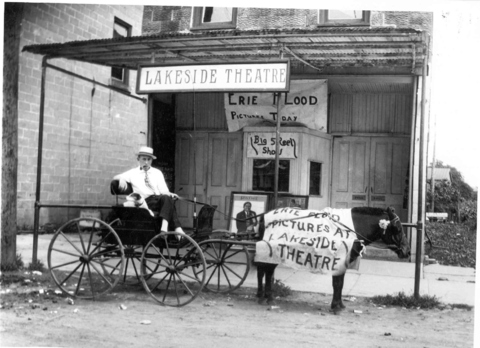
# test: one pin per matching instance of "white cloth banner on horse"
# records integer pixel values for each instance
(318, 241)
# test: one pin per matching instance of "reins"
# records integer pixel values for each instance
(335, 221)
(218, 211)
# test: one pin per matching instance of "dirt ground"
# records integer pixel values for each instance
(128, 317)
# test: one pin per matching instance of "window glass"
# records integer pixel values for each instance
(336, 14)
(217, 14)
(315, 178)
(119, 30)
(264, 175)
(214, 18)
(343, 18)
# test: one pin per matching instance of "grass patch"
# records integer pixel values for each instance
(11, 267)
(279, 289)
(462, 306)
(36, 266)
(402, 300)
(19, 276)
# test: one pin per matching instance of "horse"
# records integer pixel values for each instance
(369, 225)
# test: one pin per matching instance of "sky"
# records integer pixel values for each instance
(455, 100)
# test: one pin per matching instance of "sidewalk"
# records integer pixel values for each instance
(451, 285)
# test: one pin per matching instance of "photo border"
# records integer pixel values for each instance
(253, 197)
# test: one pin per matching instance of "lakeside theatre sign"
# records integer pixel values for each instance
(271, 76)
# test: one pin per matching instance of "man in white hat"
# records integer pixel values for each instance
(150, 183)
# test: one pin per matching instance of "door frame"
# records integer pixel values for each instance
(370, 178)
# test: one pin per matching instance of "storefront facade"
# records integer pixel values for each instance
(360, 146)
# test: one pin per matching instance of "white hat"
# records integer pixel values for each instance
(146, 151)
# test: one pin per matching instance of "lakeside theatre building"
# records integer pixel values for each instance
(340, 100)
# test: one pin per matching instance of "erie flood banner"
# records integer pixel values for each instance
(308, 239)
(305, 103)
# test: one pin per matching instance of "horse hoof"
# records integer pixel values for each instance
(271, 302)
(337, 310)
(262, 301)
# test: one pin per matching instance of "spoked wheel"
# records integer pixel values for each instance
(227, 265)
(86, 258)
(167, 271)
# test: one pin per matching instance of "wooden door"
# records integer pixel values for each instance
(370, 171)
(350, 179)
(190, 172)
(215, 173)
(389, 173)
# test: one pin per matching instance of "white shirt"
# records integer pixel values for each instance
(136, 177)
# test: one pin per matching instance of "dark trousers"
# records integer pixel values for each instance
(165, 207)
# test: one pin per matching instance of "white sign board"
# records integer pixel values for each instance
(263, 145)
(305, 103)
(308, 239)
(272, 76)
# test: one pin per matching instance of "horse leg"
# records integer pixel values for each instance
(269, 276)
(337, 282)
(260, 275)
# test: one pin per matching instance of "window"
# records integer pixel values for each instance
(264, 175)
(120, 75)
(214, 18)
(343, 18)
(315, 188)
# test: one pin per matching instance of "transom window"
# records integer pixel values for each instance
(214, 18)
(264, 175)
(343, 17)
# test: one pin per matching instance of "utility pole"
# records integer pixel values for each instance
(432, 180)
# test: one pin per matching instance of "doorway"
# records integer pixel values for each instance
(163, 137)
(208, 165)
(371, 171)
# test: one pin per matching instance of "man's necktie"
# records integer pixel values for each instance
(147, 182)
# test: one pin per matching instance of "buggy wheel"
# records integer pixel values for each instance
(227, 265)
(86, 258)
(167, 269)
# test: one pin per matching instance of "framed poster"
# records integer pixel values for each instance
(292, 201)
(244, 207)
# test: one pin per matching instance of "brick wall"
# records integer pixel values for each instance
(178, 18)
(90, 133)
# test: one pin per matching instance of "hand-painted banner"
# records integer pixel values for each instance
(306, 104)
(263, 145)
(308, 239)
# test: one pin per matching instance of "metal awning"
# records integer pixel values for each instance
(328, 50)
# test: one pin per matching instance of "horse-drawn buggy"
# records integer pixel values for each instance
(88, 257)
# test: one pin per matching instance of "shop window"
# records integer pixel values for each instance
(315, 179)
(343, 18)
(214, 18)
(119, 76)
(264, 175)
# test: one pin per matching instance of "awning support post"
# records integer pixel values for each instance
(36, 217)
(421, 183)
(277, 146)
(277, 153)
